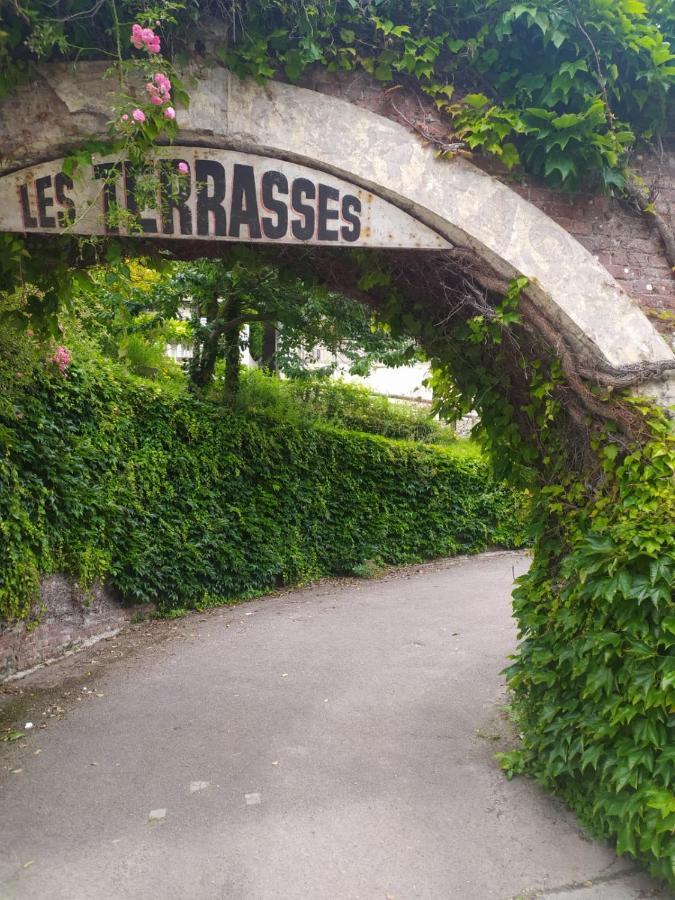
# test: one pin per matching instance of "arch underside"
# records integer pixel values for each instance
(493, 231)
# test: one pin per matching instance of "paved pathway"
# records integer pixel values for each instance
(335, 743)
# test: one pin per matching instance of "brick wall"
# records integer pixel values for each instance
(620, 237)
(65, 618)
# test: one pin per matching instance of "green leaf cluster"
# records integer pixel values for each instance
(566, 86)
(593, 680)
(174, 500)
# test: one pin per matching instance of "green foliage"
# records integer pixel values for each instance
(177, 501)
(244, 289)
(348, 406)
(593, 681)
(566, 87)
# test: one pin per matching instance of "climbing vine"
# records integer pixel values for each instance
(562, 89)
(593, 679)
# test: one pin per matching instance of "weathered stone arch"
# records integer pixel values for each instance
(454, 198)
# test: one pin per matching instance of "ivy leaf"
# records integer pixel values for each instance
(509, 155)
(475, 101)
(557, 162)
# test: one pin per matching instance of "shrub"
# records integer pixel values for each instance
(349, 406)
(178, 501)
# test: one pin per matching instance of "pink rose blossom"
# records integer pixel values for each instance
(162, 82)
(125, 118)
(138, 115)
(170, 113)
(183, 168)
(136, 38)
(61, 359)
(160, 91)
(144, 37)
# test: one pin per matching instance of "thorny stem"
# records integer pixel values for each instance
(118, 43)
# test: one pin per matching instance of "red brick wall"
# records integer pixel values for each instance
(66, 618)
(621, 238)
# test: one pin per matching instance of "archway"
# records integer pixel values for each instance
(480, 218)
(570, 670)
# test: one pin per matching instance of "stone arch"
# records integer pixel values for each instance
(472, 210)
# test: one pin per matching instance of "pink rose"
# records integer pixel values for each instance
(156, 100)
(144, 37)
(125, 118)
(138, 115)
(170, 113)
(136, 38)
(183, 168)
(61, 359)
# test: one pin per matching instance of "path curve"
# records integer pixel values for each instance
(335, 743)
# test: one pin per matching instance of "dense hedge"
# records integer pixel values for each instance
(181, 502)
(346, 405)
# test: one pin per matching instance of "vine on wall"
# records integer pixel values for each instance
(565, 90)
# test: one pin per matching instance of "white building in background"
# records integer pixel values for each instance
(402, 383)
(398, 383)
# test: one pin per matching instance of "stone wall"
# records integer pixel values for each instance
(64, 618)
(620, 238)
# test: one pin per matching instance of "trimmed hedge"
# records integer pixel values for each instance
(178, 501)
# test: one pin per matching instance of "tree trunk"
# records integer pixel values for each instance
(269, 349)
(232, 354)
(206, 348)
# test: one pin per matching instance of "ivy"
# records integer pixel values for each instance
(174, 501)
(562, 88)
(566, 88)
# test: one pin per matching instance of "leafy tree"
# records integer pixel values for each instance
(225, 296)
